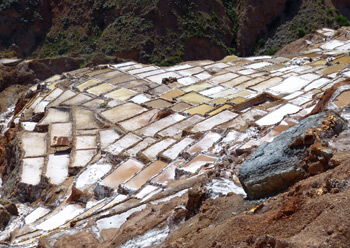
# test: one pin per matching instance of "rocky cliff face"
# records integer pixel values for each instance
(161, 32)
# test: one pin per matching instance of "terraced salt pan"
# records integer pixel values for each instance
(85, 142)
(63, 97)
(214, 121)
(155, 127)
(223, 93)
(87, 84)
(57, 168)
(125, 142)
(205, 143)
(151, 153)
(54, 115)
(124, 172)
(150, 73)
(36, 214)
(34, 144)
(108, 75)
(173, 152)
(190, 71)
(32, 170)
(197, 87)
(200, 110)
(108, 137)
(223, 78)
(66, 214)
(236, 81)
(140, 179)
(189, 80)
(53, 94)
(170, 95)
(277, 115)
(132, 152)
(100, 89)
(198, 162)
(180, 106)
(290, 85)
(82, 157)
(84, 119)
(258, 65)
(332, 44)
(168, 174)
(144, 69)
(117, 221)
(193, 98)
(212, 90)
(121, 94)
(96, 103)
(60, 130)
(140, 99)
(122, 112)
(266, 84)
(76, 100)
(159, 103)
(92, 174)
(41, 106)
(146, 191)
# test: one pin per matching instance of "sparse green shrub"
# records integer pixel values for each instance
(271, 51)
(301, 32)
(342, 20)
(330, 11)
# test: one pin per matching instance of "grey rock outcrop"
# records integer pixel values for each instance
(275, 166)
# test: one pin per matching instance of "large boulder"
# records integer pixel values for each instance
(275, 166)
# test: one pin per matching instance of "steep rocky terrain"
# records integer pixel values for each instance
(160, 32)
(241, 152)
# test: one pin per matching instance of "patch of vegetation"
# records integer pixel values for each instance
(342, 20)
(301, 32)
(271, 52)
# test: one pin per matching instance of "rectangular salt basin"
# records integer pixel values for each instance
(150, 171)
(191, 71)
(214, 121)
(63, 97)
(290, 84)
(258, 65)
(100, 89)
(82, 157)
(223, 78)
(330, 45)
(92, 174)
(53, 94)
(152, 152)
(54, 115)
(124, 172)
(194, 98)
(76, 100)
(122, 112)
(140, 99)
(108, 137)
(236, 81)
(205, 143)
(195, 164)
(36, 214)
(60, 130)
(167, 174)
(176, 149)
(57, 168)
(146, 191)
(132, 152)
(108, 75)
(188, 80)
(170, 95)
(212, 90)
(142, 70)
(150, 73)
(34, 144)
(84, 119)
(200, 110)
(60, 218)
(32, 170)
(121, 79)
(125, 142)
(85, 142)
(317, 84)
(277, 115)
(197, 87)
(116, 221)
(121, 94)
(266, 84)
(179, 127)
(155, 127)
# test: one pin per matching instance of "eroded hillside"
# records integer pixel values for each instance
(160, 32)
